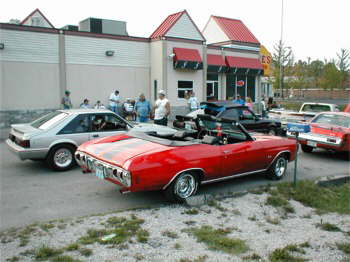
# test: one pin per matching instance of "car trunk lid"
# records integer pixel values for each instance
(329, 130)
(24, 131)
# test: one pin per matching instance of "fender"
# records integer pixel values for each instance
(179, 173)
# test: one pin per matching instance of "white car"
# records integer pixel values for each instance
(55, 136)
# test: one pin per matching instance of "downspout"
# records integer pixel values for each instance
(62, 64)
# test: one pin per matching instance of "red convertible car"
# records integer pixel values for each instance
(329, 130)
(218, 150)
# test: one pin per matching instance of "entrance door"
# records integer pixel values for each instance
(212, 90)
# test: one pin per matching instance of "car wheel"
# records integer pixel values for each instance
(184, 186)
(306, 149)
(61, 157)
(278, 168)
(272, 131)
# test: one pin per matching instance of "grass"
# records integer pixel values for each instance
(120, 228)
(252, 257)
(284, 255)
(64, 258)
(170, 234)
(177, 246)
(216, 239)
(86, 252)
(345, 247)
(280, 201)
(329, 227)
(323, 199)
(198, 259)
(12, 259)
(217, 205)
(47, 227)
(192, 211)
(72, 247)
(46, 252)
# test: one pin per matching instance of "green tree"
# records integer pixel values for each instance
(331, 77)
(343, 65)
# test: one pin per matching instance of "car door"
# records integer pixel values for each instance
(77, 129)
(249, 120)
(106, 124)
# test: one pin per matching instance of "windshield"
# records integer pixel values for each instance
(331, 119)
(48, 120)
(316, 108)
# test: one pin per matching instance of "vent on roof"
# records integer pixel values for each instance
(103, 26)
(70, 28)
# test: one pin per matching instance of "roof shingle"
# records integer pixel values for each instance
(167, 24)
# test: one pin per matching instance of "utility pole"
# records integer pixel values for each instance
(281, 52)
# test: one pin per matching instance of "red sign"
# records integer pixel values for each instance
(240, 83)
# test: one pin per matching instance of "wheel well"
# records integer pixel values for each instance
(287, 154)
(61, 144)
(196, 171)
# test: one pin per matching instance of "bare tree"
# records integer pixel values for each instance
(343, 64)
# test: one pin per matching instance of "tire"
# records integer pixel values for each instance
(272, 131)
(184, 186)
(307, 149)
(278, 168)
(61, 157)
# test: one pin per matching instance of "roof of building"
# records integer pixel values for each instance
(169, 22)
(235, 30)
(32, 13)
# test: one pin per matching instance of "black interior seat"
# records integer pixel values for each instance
(210, 140)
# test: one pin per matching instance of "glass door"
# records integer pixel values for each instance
(212, 90)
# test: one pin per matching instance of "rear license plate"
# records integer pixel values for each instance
(311, 143)
(99, 173)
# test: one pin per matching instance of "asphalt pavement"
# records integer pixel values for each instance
(30, 192)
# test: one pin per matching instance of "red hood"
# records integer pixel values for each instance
(329, 130)
(118, 149)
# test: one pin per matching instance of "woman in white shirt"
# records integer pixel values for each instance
(161, 109)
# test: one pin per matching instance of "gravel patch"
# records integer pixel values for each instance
(263, 228)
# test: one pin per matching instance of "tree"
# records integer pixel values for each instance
(331, 77)
(282, 57)
(343, 65)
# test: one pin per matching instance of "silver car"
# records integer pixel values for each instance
(55, 136)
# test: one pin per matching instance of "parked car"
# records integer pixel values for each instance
(306, 112)
(231, 111)
(179, 163)
(55, 136)
(329, 130)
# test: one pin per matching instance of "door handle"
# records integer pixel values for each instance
(226, 151)
(96, 135)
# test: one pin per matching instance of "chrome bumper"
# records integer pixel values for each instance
(26, 153)
(322, 139)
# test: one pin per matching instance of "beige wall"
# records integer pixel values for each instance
(156, 50)
(213, 33)
(29, 86)
(242, 54)
(173, 76)
(98, 82)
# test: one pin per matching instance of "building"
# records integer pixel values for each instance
(39, 62)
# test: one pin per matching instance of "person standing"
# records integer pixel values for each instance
(193, 102)
(128, 109)
(239, 100)
(161, 109)
(99, 105)
(249, 103)
(142, 109)
(85, 104)
(114, 101)
(66, 102)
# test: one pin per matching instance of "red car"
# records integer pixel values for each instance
(329, 130)
(218, 150)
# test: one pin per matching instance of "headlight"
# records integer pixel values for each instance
(122, 176)
(108, 171)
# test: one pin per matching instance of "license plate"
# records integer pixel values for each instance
(99, 173)
(312, 143)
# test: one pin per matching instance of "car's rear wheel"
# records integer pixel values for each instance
(61, 157)
(306, 148)
(184, 186)
(278, 168)
(272, 131)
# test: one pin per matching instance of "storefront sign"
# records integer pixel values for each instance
(266, 60)
(240, 83)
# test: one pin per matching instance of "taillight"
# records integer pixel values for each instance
(24, 143)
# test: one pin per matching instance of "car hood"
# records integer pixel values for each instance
(119, 149)
(24, 131)
(148, 127)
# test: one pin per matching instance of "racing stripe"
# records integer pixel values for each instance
(100, 148)
(112, 152)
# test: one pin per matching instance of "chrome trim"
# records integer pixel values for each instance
(177, 174)
(232, 176)
(281, 152)
(319, 138)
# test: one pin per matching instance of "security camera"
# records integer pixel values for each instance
(171, 55)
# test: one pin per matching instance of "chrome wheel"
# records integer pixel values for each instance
(272, 132)
(63, 157)
(280, 166)
(185, 186)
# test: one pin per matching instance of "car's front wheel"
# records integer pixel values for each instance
(307, 149)
(278, 168)
(184, 186)
(61, 157)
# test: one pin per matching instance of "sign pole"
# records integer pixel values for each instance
(296, 159)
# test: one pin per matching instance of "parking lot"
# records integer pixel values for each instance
(31, 192)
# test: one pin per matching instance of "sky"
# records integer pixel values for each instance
(312, 28)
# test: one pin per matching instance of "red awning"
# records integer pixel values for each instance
(216, 60)
(243, 62)
(186, 54)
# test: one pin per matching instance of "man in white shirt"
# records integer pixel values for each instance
(161, 109)
(114, 100)
(193, 102)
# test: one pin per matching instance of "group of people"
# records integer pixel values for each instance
(140, 110)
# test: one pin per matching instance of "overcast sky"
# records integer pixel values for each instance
(313, 28)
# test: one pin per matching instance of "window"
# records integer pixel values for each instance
(230, 114)
(184, 87)
(331, 119)
(48, 120)
(106, 122)
(80, 124)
